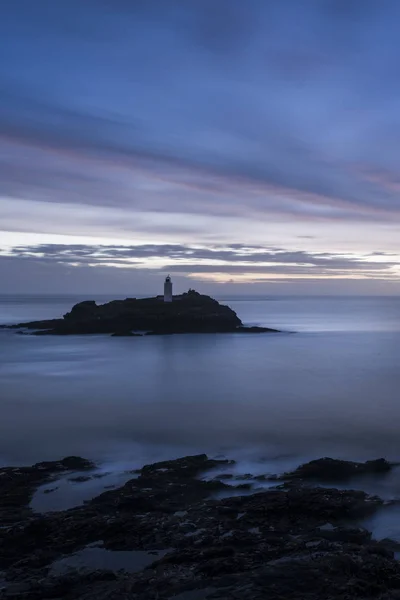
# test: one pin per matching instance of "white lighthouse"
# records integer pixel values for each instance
(168, 289)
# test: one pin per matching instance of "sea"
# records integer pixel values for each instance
(327, 385)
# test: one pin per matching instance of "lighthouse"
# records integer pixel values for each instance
(168, 289)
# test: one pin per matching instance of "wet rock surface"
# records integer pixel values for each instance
(330, 469)
(188, 313)
(17, 484)
(292, 541)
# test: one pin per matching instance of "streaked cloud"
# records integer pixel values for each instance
(249, 262)
(182, 128)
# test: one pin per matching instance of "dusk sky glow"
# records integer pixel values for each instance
(243, 146)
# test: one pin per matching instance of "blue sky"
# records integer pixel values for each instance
(243, 146)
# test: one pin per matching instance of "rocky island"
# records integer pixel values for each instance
(186, 529)
(190, 312)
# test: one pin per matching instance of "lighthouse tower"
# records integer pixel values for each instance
(168, 289)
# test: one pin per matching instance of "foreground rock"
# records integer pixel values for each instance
(330, 469)
(188, 313)
(286, 543)
(17, 484)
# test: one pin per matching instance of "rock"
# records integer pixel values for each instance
(187, 467)
(69, 463)
(294, 542)
(76, 463)
(50, 490)
(356, 535)
(17, 484)
(14, 590)
(125, 334)
(255, 329)
(392, 545)
(330, 469)
(188, 313)
(83, 311)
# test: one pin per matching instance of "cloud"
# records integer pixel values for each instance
(192, 122)
(150, 136)
(191, 260)
(131, 181)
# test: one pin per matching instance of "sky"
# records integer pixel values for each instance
(243, 147)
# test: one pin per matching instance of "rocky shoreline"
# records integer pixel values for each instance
(134, 317)
(184, 533)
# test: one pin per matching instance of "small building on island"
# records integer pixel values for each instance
(168, 289)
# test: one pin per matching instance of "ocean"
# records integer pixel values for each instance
(328, 385)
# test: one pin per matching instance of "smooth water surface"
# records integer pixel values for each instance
(330, 388)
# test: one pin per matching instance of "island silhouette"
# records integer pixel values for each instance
(190, 312)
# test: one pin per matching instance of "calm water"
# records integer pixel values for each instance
(269, 401)
(330, 388)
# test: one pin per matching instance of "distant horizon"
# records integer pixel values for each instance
(117, 295)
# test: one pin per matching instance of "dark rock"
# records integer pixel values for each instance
(330, 469)
(392, 545)
(255, 329)
(125, 334)
(50, 490)
(72, 463)
(17, 484)
(187, 467)
(188, 313)
(355, 535)
(83, 311)
(47, 324)
(288, 543)
(101, 475)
